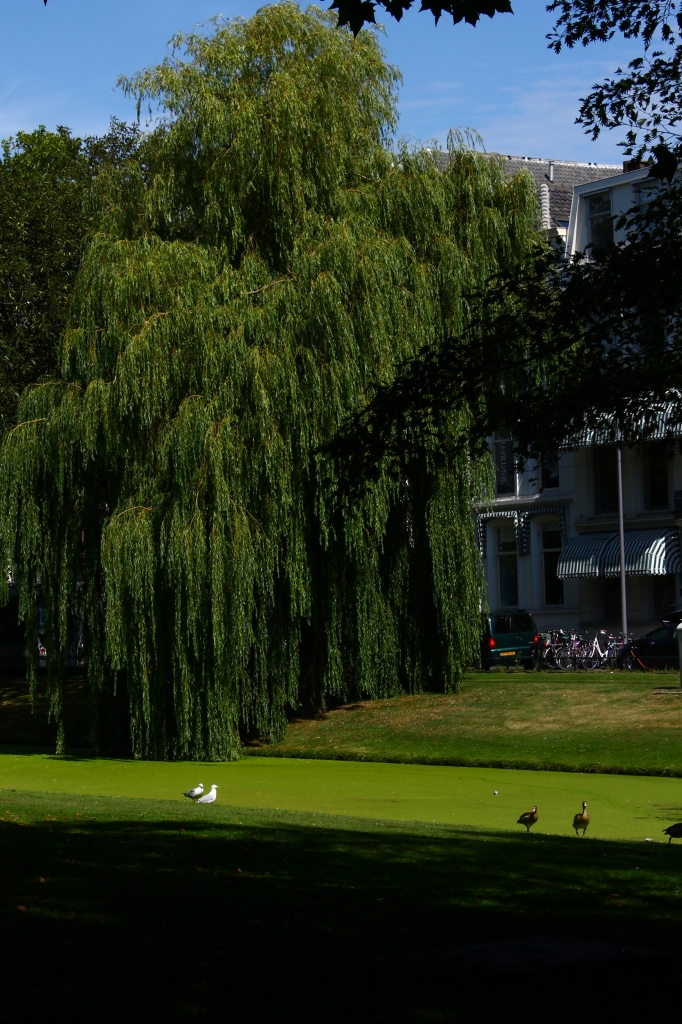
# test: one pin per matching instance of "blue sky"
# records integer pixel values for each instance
(60, 64)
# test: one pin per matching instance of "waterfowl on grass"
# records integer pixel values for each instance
(673, 832)
(581, 820)
(194, 793)
(528, 818)
(208, 798)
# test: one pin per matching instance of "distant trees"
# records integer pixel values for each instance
(43, 176)
(45, 183)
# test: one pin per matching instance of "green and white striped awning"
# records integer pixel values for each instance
(582, 558)
(647, 553)
(662, 423)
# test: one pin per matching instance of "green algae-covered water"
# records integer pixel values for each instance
(620, 806)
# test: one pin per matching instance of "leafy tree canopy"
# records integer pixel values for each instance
(261, 261)
(552, 347)
(42, 223)
(356, 13)
(45, 180)
(546, 352)
(646, 98)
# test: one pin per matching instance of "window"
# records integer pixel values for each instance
(605, 480)
(664, 595)
(550, 472)
(656, 475)
(551, 549)
(600, 220)
(507, 567)
(663, 632)
(504, 624)
(503, 454)
(612, 601)
(522, 624)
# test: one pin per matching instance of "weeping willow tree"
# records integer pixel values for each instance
(262, 263)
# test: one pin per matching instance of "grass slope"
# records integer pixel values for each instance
(122, 909)
(621, 807)
(562, 722)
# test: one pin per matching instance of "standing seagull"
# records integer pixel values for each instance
(209, 798)
(194, 793)
(581, 820)
(673, 832)
(528, 819)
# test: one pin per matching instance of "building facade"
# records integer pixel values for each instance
(550, 542)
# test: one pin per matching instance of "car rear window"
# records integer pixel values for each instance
(522, 623)
(501, 624)
(662, 633)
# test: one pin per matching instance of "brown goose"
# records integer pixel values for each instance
(673, 832)
(581, 820)
(528, 819)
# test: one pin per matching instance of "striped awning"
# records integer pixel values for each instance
(582, 558)
(662, 423)
(647, 553)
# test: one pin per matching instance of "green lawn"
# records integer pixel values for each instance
(566, 722)
(303, 892)
(614, 722)
(139, 909)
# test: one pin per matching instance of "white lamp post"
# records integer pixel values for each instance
(621, 530)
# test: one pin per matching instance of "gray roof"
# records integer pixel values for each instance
(560, 177)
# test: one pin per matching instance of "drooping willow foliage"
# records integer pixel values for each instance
(264, 261)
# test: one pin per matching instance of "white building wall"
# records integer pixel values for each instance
(585, 600)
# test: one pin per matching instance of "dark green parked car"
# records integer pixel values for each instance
(508, 637)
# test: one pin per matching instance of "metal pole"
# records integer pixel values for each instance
(621, 530)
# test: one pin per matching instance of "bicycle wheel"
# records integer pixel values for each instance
(590, 661)
(566, 659)
(548, 659)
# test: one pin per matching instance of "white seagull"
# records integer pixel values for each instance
(209, 797)
(194, 793)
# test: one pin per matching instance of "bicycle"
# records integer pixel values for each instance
(611, 656)
(570, 655)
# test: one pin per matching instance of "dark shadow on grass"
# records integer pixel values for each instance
(184, 913)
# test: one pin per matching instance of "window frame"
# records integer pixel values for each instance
(546, 473)
(592, 217)
(506, 554)
(554, 550)
(647, 506)
(599, 453)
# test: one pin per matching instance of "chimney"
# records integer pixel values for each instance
(633, 165)
(544, 206)
(551, 170)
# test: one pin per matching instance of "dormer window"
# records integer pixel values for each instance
(550, 472)
(600, 219)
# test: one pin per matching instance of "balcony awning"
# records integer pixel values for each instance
(647, 553)
(662, 424)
